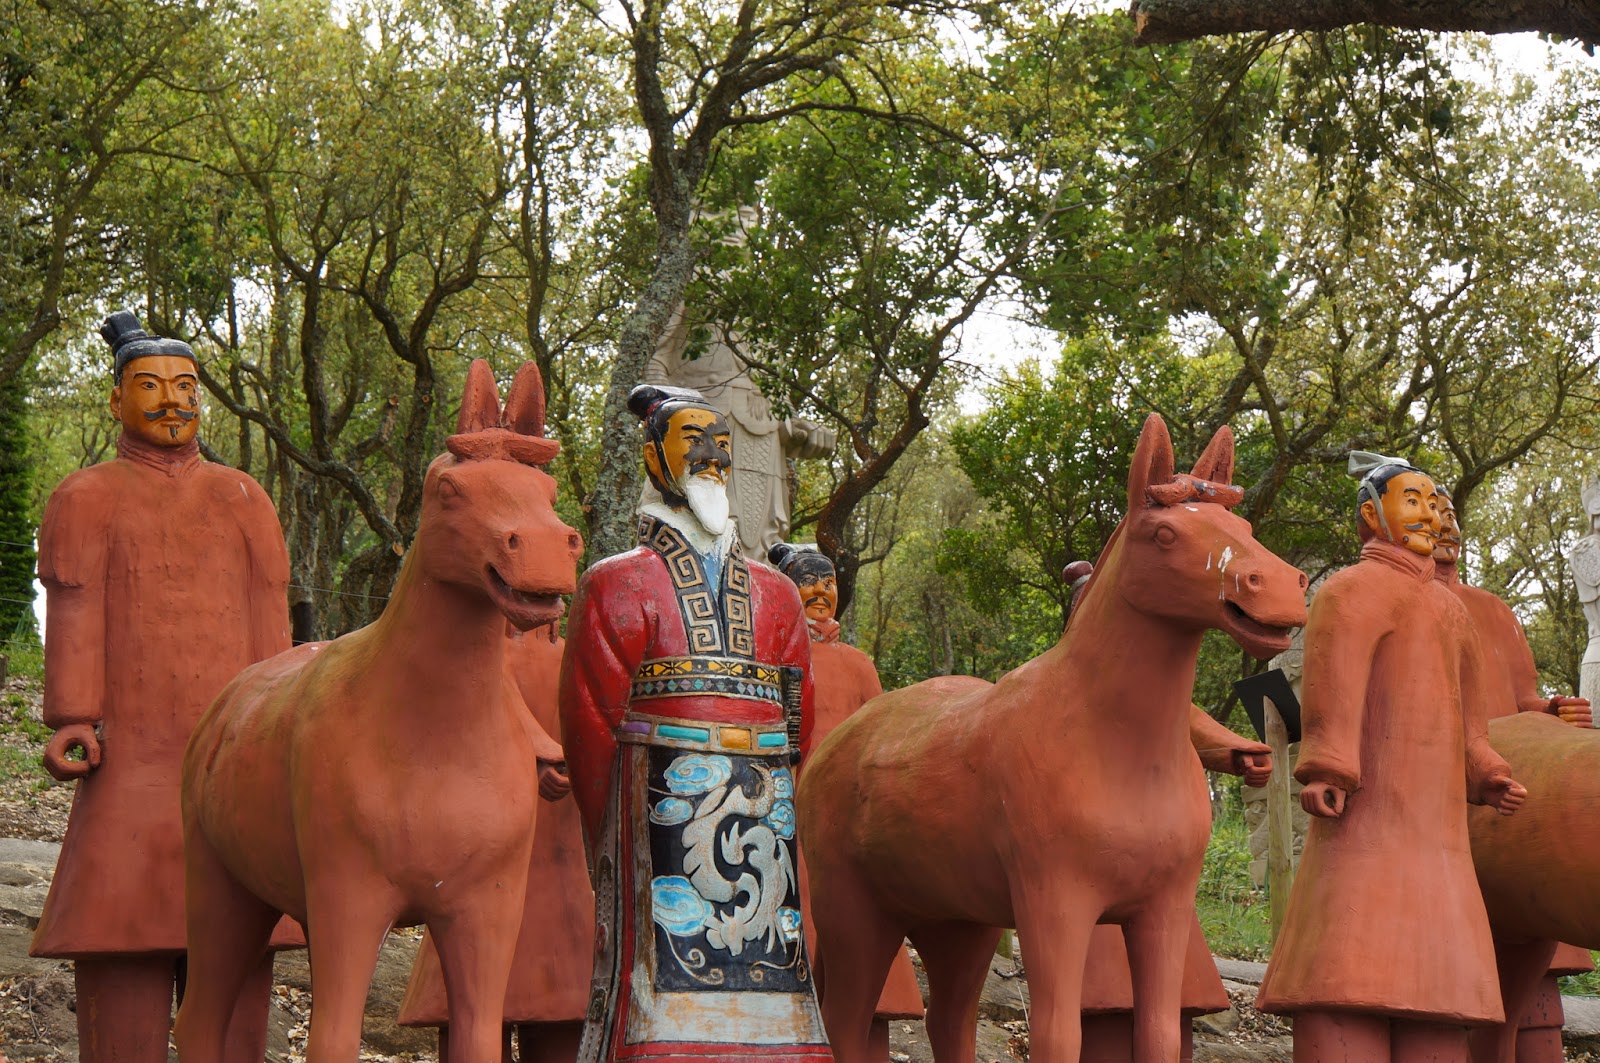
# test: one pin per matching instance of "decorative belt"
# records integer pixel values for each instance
(703, 735)
(728, 677)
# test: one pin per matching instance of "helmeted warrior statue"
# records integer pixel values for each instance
(685, 696)
(164, 576)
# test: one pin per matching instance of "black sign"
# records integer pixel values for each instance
(1273, 686)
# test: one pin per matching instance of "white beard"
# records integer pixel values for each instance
(708, 501)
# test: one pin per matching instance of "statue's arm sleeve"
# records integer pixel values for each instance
(807, 439)
(1341, 639)
(72, 567)
(1481, 760)
(1216, 743)
(603, 652)
(269, 573)
(1524, 673)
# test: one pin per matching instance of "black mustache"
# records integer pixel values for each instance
(156, 415)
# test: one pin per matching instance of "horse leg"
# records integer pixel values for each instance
(1522, 966)
(345, 925)
(1055, 946)
(475, 954)
(1158, 945)
(956, 957)
(228, 930)
(860, 943)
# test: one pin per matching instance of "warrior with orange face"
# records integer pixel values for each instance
(1385, 952)
(685, 696)
(164, 576)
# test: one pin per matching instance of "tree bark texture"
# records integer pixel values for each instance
(1165, 21)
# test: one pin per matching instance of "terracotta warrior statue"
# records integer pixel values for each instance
(1512, 683)
(164, 576)
(1385, 952)
(844, 679)
(1585, 560)
(685, 695)
(547, 993)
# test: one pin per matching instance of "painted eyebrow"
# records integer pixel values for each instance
(158, 376)
(1414, 491)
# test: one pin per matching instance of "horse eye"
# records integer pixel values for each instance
(1165, 535)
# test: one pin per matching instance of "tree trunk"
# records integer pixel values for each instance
(619, 480)
(1165, 21)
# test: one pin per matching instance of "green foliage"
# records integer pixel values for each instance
(1232, 912)
(17, 521)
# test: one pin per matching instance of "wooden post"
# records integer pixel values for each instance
(1280, 821)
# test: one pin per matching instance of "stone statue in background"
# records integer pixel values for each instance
(164, 575)
(1585, 560)
(758, 486)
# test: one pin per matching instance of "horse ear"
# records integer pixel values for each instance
(480, 402)
(524, 413)
(1216, 461)
(1152, 461)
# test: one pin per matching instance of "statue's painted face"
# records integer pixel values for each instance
(696, 442)
(697, 450)
(158, 400)
(820, 597)
(1448, 549)
(1410, 513)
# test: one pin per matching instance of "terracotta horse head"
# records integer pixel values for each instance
(1181, 555)
(478, 533)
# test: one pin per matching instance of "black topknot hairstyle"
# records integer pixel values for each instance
(129, 341)
(802, 564)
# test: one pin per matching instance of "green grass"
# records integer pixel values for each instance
(26, 658)
(1583, 985)
(1233, 913)
(19, 763)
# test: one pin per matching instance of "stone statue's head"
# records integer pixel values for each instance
(688, 451)
(1447, 551)
(1396, 501)
(1591, 503)
(156, 396)
(813, 573)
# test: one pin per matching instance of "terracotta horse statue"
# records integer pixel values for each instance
(387, 778)
(1540, 869)
(1065, 795)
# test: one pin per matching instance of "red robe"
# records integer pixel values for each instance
(846, 680)
(1385, 916)
(555, 947)
(164, 577)
(677, 744)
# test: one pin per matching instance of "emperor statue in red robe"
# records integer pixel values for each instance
(685, 699)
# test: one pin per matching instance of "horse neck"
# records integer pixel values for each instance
(1101, 628)
(434, 637)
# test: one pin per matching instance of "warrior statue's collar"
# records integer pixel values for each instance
(685, 524)
(1407, 561)
(174, 461)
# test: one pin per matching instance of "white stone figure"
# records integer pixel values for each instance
(1585, 561)
(762, 445)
